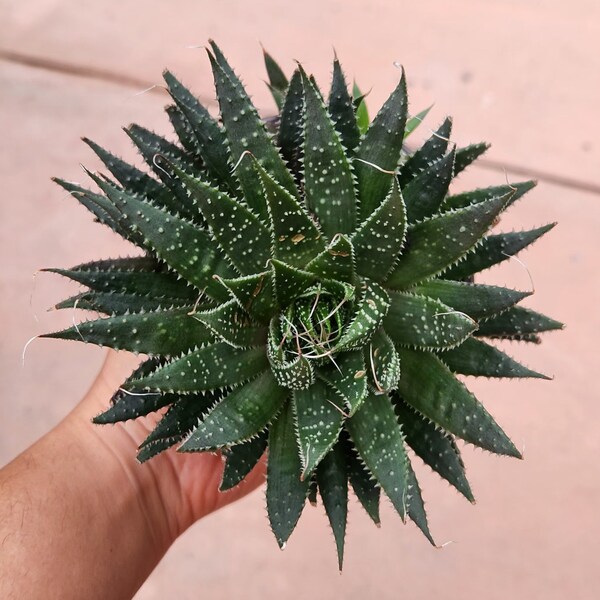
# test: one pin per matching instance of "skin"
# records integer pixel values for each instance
(80, 518)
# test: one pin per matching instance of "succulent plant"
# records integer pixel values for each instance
(305, 289)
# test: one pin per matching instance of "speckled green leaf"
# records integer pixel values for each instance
(242, 414)
(416, 506)
(494, 249)
(278, 82)
(207, 368)
(319, 421)
(474, 357)
(341, 109)
(295, 239)
(423, 322)
(369, 311)
(210, 137)
(383, 363)
(164, 332)
(465, 156)
(333, 486)
(290, 282)
(239, 232)
(476, 300)
(381, 146)
(430, 387)
(483, 194)
(413, 122)
(424, 194)
(380, 444)
(230, 323)
(328, 180)
(379, 240)
(434, 446)
(348, 378)
(255, 294)
(182, 245)
(241, 459)
(364, 485)
(141, 275)
(286, 492)
(246, 132)
(130, 177)
(435, 244)
(517, 323)
(153, 449)
(428, 154)
(336, 261)
(291, 127)
(183, 131)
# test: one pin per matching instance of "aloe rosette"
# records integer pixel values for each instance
(305, 289)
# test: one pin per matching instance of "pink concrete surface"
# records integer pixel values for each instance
(523, 76)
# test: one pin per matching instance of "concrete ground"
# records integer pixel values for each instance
(524, 76)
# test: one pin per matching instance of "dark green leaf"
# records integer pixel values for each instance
(431, 388)
(517, 323)
(348, 378)
(286, 492)
(241, 415)
(416, 506)
(364, 485)
(290, 282)
(483, 194)
(241, 459)
(380, 444)
(255, 294)
(278, 82)
(465, 156)
(382, 361)
(425, 323)
(291, 128)
(341, 109)
(381, 146)
(336, 261)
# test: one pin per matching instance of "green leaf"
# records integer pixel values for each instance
(183, 130)
(231, 324)
(255, 294)
(238, 231)
(210, 136)
(413, 122)
(369, 312)
(336, 261)
(494, 249)
(348, 378)
(116, 303)
(424, 194)
(130, 177)
(379, 240)
(435, 244)
(416, 506)
(474, 357)
(184, 247)
(476, 300)
(434, 446)
(278, 82)
(362, 114)
(380, 444)
(241, 415)
(286, 492)
(207, 368)
(431, 388)
(428, 154)
(328, 180)
(296, 239)
(425, 323)
(295, 374)
(291, 128)
(465, 156)
(517, 323)
(164, 332)
(151, 450)
(290, 282)
(382, 362)
(319, 422)
(246, 133)
(381, 146)
(483, 194)
(241, 459)
(138, 275)
(333, 486)
(341, 109)
(363, 484)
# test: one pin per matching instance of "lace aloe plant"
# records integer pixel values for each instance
(305, 289)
